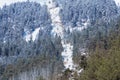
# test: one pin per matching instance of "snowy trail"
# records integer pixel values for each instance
(58, 30)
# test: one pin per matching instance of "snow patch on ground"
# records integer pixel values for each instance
(57, 31)
(33, 35)
(117, 2)
(84, 26)
(79, 27)
(78, 72)
(68, 54)
(4, 41)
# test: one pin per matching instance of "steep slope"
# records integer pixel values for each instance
(58, 29)
(21, 19)
(29, 30)
(25, 42)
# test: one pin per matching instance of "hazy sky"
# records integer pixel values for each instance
(7, 2)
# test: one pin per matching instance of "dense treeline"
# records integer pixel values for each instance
(104, 57)
(41, 59)
(17, 21)
(44, 52)
(75, 12)
(18, 57)
(99, 13)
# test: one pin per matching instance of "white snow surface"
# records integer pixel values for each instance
(58, 30)
(33, 35)
(117, 2)
(68, 55)
(84, 26)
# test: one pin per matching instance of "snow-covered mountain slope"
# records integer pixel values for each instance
(84, 20)
(19, 24)
(23, 20)
(59, 30)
